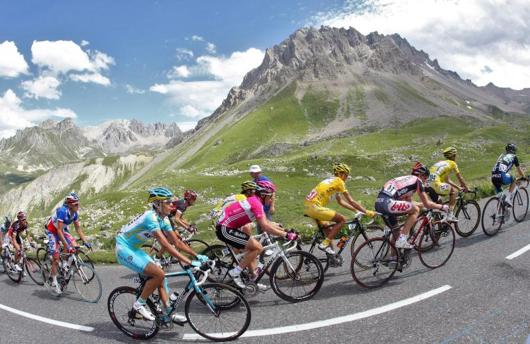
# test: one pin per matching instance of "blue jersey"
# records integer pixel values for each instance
(504, 163)
(142, 228)
(62, 214)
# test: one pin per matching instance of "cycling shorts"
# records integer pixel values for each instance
(131, 258)
(318, 213)
(54, 242)
(440, 188)
(232, 236)
(501, 179)
(391, 208)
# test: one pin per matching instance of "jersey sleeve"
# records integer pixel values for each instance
(256, 207)
(165, 225)
(151, 222)
(455, 167)
(340, 185)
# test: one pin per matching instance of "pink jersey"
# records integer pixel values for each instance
(402, 187)
(240, 213)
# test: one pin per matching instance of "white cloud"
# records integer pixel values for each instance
(13, 116)
(183, 54)
(211, 48)
(464, 36)
(185, 126)
(84, 43)
(133, 90)
(42, 87)
(62, 57)
(12, 63)
(197, 38)
(179, 72)
(197, 99)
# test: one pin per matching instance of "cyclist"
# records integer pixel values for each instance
(248, 188)
(13, 236)
(129, 253)
(4, 228)
(58, 231)
(229, 230)
(318, 198)
(395, 198)
(179, 207)
(439, 183)
(500, 174)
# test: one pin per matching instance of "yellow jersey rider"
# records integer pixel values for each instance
(440, 183)
(316, 201)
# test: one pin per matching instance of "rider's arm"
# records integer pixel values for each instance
(350, 203)
(270, 227)
(427, 203)
(180, 220)
(461, 180)
(79, 231)
(520, 171)
(272, 208)
(179, 244)
(169, 248)
(60, 234)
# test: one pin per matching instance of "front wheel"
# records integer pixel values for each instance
(224, 261)
(13, 270)
(87, 283)
(520, 204)
(374, 262)
(437, 245)
(492, 217)
(468, 218)
(297, 276)
(119, 305)
(33, 268)
(208, 314)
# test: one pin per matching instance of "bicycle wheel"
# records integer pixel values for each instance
(295, 282)
(468, 215)
(520, 204)
(224, 261)
(372, 265)
(119, 305)
(197, 245)
(34, 270)
(322, 256)
(10, 268)
(440, 239)
(41, 254)
(371, 231)
(492, 219)
(209, 316)
(90, 289)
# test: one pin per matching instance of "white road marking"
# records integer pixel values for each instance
(518, 252)
(338, 320)
(47, 320)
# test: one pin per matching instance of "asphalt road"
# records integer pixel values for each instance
(484, 299)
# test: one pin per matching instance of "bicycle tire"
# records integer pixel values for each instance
(467, 224)
(33, 268)
(520, 201)
(9, 263)
(81, 279)
(223, 263)
(435, 237)
(212, 291)
(371, 258)
(282, 275)
(198, 245)
(491, 223)
(322, 256)
(115, 316)
(371, 231)
(41, 254)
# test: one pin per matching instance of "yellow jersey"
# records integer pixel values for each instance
(325, 190)
(440, 171)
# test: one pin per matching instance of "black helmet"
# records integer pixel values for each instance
(511, 148)
(419, 170)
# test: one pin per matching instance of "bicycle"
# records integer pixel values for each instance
(467, 211)
(167, 260)
(354, 229)
(31, 266)
(496, 212)
(206, 305)
(288, 270)
(43, 251)
(376, 260)
(70, 267)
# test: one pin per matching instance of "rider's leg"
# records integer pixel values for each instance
(157, 277)
(452, 198)
(332, 231)
(411, 219)
(253, 249)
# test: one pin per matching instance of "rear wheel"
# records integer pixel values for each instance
(373, 263)
(371, 231)
(468, 215)
(322, 256)
(436, 245)
(492, 217)
(520, 204)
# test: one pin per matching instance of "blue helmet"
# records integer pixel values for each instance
(159, 194)
(71, 198)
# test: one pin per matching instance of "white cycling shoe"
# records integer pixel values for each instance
(142, 309)
(403, 243)
(178, 318)
(237, 279)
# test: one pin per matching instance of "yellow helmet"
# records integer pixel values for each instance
(341, 168)
(449, 152)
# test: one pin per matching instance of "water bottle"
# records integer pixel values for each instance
(173, 297)
(342, 241)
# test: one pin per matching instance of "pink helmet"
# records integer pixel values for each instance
(265, 186)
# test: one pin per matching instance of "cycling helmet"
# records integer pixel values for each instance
(511, 148)
(190, 195)
(341, 168)
(449, 152)
(249, 185)
(265, 188)
(159, 194)
(419, 169)
(21, 215)
(71, 198)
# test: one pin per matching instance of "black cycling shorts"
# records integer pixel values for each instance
(232, 236)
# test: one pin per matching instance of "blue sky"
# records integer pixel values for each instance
(176, 60)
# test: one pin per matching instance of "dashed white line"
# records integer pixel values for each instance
(337, 320)
(47, 320)
(518, 252)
